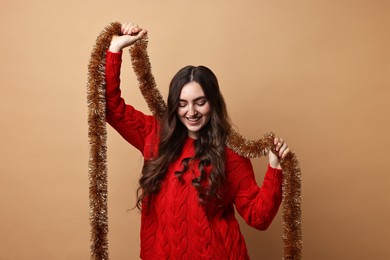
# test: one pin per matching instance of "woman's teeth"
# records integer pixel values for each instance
(193, 119)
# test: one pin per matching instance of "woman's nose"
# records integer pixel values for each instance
(191, 111)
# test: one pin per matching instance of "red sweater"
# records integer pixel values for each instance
(176, 225)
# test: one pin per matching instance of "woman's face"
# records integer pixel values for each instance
(194, 108)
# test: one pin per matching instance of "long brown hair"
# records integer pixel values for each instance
(209, 146)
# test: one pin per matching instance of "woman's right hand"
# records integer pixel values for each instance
(130, 34)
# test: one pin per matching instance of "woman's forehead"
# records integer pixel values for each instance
(191, 91)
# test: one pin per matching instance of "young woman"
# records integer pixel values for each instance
(191, 181)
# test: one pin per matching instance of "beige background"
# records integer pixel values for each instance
(315, 72)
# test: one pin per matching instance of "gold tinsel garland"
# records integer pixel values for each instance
(291, 207)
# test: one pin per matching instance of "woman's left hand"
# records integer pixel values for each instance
(282, 148)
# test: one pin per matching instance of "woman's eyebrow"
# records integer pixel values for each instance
(195, 99)
(199, 98)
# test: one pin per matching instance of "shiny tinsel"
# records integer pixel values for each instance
(97, 134)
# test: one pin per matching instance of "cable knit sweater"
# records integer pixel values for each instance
(176, 226)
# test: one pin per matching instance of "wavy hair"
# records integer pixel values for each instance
(209, 146)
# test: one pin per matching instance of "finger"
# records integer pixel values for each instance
(141, 34)
(123, 26)
(277, 140)
(285, 152)
(134, 30)
(279, 144)
(282, 149)
(128, 28)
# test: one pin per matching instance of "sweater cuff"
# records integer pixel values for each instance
(275, 173)
(114, 57)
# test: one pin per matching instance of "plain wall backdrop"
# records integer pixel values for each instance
(315, 72)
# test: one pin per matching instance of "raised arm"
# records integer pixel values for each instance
(132, 124)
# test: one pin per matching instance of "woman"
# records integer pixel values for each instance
(191, 181)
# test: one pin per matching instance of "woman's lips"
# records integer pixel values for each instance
(193, 120)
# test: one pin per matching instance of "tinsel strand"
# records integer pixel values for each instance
(147, 84)
(291, 208)
(97, 134)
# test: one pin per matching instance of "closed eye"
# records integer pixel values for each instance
(201, 102)
(182, 103)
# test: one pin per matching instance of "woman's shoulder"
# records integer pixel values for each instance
(234, 160)
(237, 169)
(232, 155)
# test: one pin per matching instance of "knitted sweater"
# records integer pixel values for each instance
(176, 226)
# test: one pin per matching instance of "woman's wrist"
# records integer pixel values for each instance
(274, 165)
(114, 48)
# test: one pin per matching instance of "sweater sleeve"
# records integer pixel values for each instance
(130, 123)
(257, 205)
